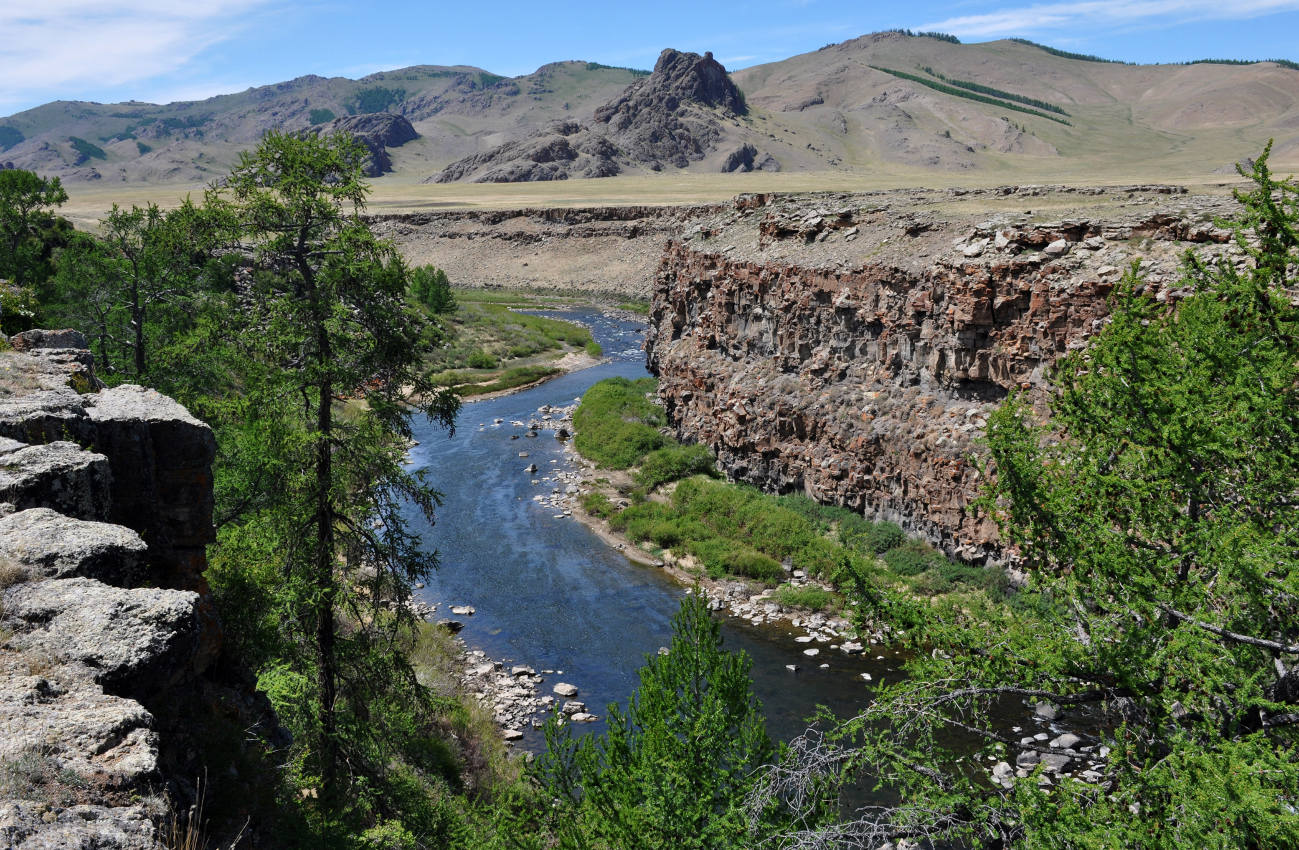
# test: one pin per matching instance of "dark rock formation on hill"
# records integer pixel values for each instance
(113, 691)
(854, 346)
(378, 131)
(671, 118)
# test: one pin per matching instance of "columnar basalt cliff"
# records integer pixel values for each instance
(110, 678)
(851, 346)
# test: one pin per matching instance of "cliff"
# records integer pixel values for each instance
(607, 251)
(851, 346)
(113, 693)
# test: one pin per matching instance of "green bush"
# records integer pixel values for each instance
(809, 596)
(673, 463)
(482, 360)
(594, 349)
(818, 557)
(615, 425)
(746, 562)
(321, 116)
(598, 504)
(912, 558)
(883, 536)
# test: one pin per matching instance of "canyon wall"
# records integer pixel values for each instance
(610, 252)
(113, 692)
(850, 347)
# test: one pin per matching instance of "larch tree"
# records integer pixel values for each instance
(330, 381)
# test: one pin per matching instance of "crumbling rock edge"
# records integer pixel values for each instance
(110, 666)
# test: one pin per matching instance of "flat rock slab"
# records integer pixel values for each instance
(47, 544)
(26, 825)
(59, 475)
(60, 720)
(130, 637)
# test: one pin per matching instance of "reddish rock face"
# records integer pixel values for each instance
(870, 386)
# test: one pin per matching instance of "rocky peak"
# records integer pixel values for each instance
(678, 79)
(378, 131)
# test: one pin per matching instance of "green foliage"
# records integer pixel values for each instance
(29, 232)
(989, 90)
(672, 463)
(321, 116)
(598, 504)
(635, 72)
(1065, 54)
(968, 94)
(516, 376)
(1284, 63)
(912, 558)
(594, 349)
(431, 288)
(640, 308)
(10, 137)
(809, 596)
(310, 496)
(88, 150)
(482, 360)
(481, 321)
(616, 425)
(673, 769)
(1155, 512)
(941, 36)
(374, 99)
(143, 148)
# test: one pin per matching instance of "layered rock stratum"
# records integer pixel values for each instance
(850, 347)
(111, 682)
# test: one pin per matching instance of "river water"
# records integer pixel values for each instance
(550, 594)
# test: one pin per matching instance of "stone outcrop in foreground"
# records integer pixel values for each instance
(851, 346)
(107, 637)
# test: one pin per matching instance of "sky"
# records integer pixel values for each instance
(166, 50)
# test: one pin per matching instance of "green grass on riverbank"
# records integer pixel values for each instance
(723, 529)
(488, 346)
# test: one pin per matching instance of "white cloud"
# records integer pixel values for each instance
(1099, 14)
(52, 45)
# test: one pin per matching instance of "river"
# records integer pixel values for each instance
(550, 594)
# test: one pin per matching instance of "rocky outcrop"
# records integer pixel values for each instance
(670, 118)
(378, 131)
(109, 653)
(853, 347)
(608, 251)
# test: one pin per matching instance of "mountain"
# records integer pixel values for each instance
(878, 102)
(455, 111)
(673, 117)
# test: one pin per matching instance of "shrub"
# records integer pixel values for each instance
(911, 558)
(883, 536)
(321, 116)
(746, 562)
(598, 504)
(818, 557)
(810, 597)
(673, 463)
(594, 349)
(482, 360)
(615, 425)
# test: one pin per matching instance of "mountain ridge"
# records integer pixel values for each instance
(875, 102)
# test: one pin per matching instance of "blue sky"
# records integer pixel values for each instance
(164, 50)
